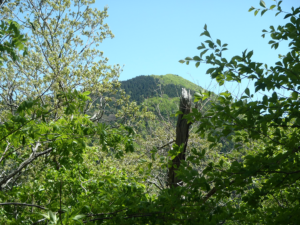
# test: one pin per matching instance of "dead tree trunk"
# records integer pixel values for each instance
(182, 135)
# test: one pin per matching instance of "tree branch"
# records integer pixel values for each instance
(32, 157)
(23, 204)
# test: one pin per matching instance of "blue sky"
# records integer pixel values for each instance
(152, 36)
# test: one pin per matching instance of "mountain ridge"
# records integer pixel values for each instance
(148, 86)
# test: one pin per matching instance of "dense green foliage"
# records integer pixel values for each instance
(261, 185)
(61, 162)
(11, 40)
(50, 145)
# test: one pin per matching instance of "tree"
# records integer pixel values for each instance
(61, 53)
(49, 116)
(258, 182)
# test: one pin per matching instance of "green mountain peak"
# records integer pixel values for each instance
(144, 87)
(177, 80)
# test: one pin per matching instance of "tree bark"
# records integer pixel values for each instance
(182, 135)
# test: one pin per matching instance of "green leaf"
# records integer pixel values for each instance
(249, 55)
(45, 215)
(262, 3)
(197, 64)
(196, 58)
(219, 42)
(247, 91)
(252, 8)
(256, 11)
(86, 93)
(198, 95)
(210, 70)
(178, 113)
(206, 33)
(53, 217)
(201, 47)
(203, 52)
(263, 12)
(287, 15)
(79, 217)
(295, 95)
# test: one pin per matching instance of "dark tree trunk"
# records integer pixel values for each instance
(182, 135)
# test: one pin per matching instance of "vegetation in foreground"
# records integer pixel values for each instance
(62, 165)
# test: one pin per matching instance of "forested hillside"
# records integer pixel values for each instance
(143, 87)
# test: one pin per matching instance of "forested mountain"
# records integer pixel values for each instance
(153, 91)
(143, 87)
